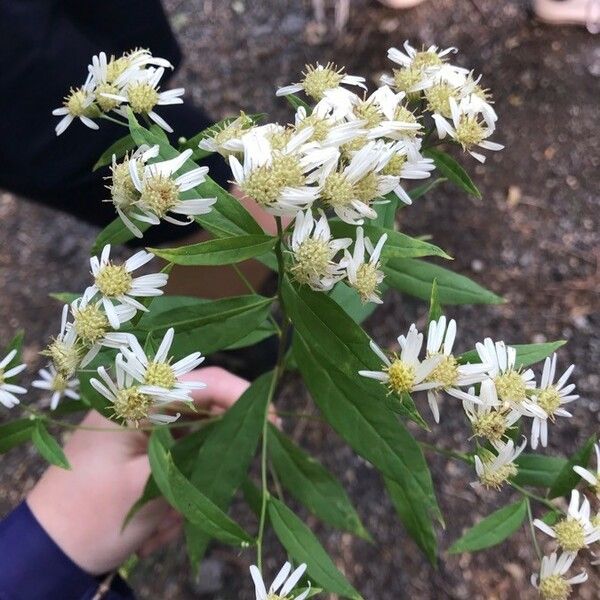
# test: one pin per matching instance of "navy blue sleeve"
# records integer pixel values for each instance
(33, 567)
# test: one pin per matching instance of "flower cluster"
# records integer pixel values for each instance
(114, 84)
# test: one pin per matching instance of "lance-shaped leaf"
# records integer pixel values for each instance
(415, 278)
(435, 308)
(313, 485)
(48, 447)
(296, 102)
(190, 502)
(351, 303)
(14, 433)
(450, 169)
(231, 445)
(567, 479)
(492, 530)
(118, 150)
(538, 470)
(223, 251)
(302, 544)
(527, 354)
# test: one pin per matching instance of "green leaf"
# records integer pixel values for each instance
(224, 251)
(567, 479)
(418, 524)
(386, 211)
(48, 447)
(435, 308)
(350, 301)
(190, 502)
(492, 530)
(262, 332)
(296, 102)
(118, 149)
(312, 485)
(405, 406)
(14, 433)
(538, 470)
(527, 354)
(302, 544)
(230, 445)
(450, 169)
(415, 277)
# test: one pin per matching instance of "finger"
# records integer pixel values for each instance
(223, 388)
(159, 539)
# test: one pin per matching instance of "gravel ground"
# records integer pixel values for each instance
(533, 238)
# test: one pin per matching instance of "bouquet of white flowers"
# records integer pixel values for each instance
(334, 179)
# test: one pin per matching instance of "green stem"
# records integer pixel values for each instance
(112, 119)
(447, 452)
(535, 497)
(532, 528)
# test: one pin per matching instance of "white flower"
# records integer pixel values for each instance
(391, 119)
(117, 71)
(55, 382)
(432, 57)
(328, 130)
(115, 284)
(467, 128)
(314, 252)
(405, 373)
(282, 585)
(92, 327)
(448, 374)
(157, 376)
(552, 584)
(592, 478)
(575, 531)
(128, 400)
(494, 470)
(65, 350)
(226, 139)
(7, 389)
(351, 191)
(550, 397)
(160, 191)
(512, 386)
(319, 79)
(365, 276)
(78, 104)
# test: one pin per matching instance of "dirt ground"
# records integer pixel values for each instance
(533, 238)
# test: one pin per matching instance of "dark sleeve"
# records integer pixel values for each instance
(33, 567)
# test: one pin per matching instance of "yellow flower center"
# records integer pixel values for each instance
(369, 112)
(311, 260)
(446, 373)
(160, 374)
(401, 376)
(122, 190)
(438, 98)
(160, 194)
(491, 425)
(116, 67)
(549, 400)
(406, 79)
(395, 165)
(280, 139)
(266, 183)
(570, 535)
(510, 387)
(90, 323)
(64, 357)
(555, 587)
(113, 280)
(367, 280)
(469, 131)
(495, 478)
(426, 59)
(131, 405)
(142, 97)
(76, 103)
(273, 596)
(404, 115)
(349, 148)
(103, 102)
(59, 383)
(321, 127)
(366, 188)
(318, 80)
(337, 191)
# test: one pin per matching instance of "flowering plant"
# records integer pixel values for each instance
(334, 180)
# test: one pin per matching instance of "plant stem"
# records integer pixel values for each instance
(532, 528)
(447, 452)
(535, 497)
(122, 123)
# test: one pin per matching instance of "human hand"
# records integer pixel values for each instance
(83, 509)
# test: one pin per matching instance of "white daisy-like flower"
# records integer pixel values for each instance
(141, 93)
(7, 372)
(65, 350)
(552, 583)
(364, 275)
(592, 478)
(160, 190)
(318, 79)
(411, 57)
(576, 531)
(78, 104)
(351, 190)
(116, 285)
(157, 376)
(327, 129)
(467, 128)
(495, 469)
(226, 139)
(314, 251)
(282, 585)
(93, 329)
(405, 373)
(55, 382)
(449, 375)
(551, 397)
(512, 386)
(484, 412)
(280, 180)
(128, 400)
